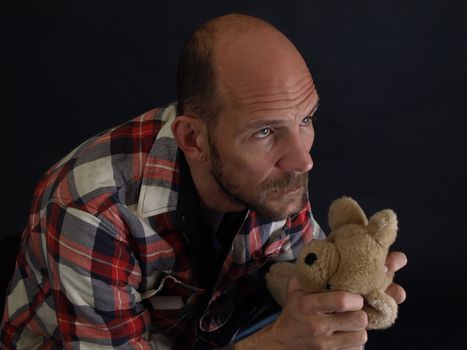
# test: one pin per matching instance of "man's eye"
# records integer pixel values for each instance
(264, 132)
(306, 120)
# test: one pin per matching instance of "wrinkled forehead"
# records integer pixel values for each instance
(271, 99)
(291, 95)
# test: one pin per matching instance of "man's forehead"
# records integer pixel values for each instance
(273, 99)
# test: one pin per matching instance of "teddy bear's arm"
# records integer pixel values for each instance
(277, 280)
(381, 309)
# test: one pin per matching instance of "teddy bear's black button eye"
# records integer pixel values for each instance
(310, 259)
(328, 286)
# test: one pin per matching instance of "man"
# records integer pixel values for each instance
(156, 234)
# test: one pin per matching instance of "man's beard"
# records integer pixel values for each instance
(261, 198)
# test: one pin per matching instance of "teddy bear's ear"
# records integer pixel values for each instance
(344, 211)
(383, 226)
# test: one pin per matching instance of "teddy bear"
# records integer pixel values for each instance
(351, 258)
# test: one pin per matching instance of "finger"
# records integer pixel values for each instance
(395, 261)
(328, 302)
(346, 321)
(396, 292)
(348, 340)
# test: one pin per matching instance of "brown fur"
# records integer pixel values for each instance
(352, 258)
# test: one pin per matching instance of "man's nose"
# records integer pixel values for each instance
(296, 156)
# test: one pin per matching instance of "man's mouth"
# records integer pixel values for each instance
(288, 190)
(294, 189)
(288, 185)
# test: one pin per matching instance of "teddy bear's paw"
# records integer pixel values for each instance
(381, 310)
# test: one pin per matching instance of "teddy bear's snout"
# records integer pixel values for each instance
(310, 259)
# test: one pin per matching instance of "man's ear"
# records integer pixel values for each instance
(191, 136)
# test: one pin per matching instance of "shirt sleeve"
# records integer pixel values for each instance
(94, 277)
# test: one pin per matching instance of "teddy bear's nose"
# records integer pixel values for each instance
(310, 259)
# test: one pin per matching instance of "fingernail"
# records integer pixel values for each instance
(386, 269)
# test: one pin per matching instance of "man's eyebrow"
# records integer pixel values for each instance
(273, 121)
(266, 122)
(314, 109)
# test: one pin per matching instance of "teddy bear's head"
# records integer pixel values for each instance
(352, 258)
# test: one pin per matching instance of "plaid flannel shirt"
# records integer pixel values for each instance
(102, 265)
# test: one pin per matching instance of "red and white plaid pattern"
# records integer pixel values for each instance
(100, 238)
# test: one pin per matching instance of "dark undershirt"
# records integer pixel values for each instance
(208, 232)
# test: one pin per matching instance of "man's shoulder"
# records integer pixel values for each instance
(111, 161)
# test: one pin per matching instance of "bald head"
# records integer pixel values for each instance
(234, 24)
(228, 54)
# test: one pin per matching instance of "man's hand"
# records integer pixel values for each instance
(330, 320)
(394, 262)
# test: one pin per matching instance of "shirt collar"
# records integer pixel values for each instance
(189, 213)
(159, 188)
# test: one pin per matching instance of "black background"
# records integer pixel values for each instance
(391, 127)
